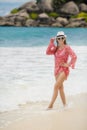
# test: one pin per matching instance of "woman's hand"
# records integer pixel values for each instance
(65, 64)
(53, 38)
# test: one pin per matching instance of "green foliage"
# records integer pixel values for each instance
(38, 1)
(64, 1)
(27, 17)
(14, 11)
(81, 15)
(33, 15)
(57, 3)
(79, 1)
(53, 14)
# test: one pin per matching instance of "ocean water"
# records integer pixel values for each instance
(27, 73)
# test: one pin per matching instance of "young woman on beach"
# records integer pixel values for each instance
(61, 53)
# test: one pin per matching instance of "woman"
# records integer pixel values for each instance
(61, 54)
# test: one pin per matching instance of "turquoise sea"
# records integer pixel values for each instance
(27, 73)
(34, 36)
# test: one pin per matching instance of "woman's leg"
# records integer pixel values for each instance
(59, 81)
(62, 95)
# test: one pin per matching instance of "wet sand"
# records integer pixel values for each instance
(34, 116)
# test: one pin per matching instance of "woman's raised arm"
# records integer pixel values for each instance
(51, 47)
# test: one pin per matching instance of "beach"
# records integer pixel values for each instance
(34, 116)
(27, 81)
(27, 73)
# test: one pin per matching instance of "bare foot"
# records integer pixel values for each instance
(50, 107)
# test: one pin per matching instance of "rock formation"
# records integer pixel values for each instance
(43, 14)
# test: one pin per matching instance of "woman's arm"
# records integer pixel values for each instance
(73, 58)
(51, 47)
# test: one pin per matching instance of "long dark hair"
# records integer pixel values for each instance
(58, 43)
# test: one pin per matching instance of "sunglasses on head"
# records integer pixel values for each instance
(60, 38)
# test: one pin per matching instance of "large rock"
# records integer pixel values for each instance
(31, 22)
(83, 7)
(42, 25)
(45, 5)
(5, 22)
(62, 21)
(77, 22)
(13, 20)
(70, 8)
(56, 24)
(2, 21)
(22, 13)
(43, 18)
(30, 7)
(20, 20)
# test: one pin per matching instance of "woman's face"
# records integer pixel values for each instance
(60, 40)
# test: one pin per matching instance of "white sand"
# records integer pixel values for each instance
(34, 116)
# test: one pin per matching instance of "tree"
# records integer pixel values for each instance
(57, 4)
(38, 1)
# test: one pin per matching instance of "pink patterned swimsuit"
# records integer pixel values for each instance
(61, 56)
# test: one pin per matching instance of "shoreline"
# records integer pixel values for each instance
(34, 116)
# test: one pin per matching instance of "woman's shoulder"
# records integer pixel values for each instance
(67, 47)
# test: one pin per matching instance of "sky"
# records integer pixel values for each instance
(7, 5)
